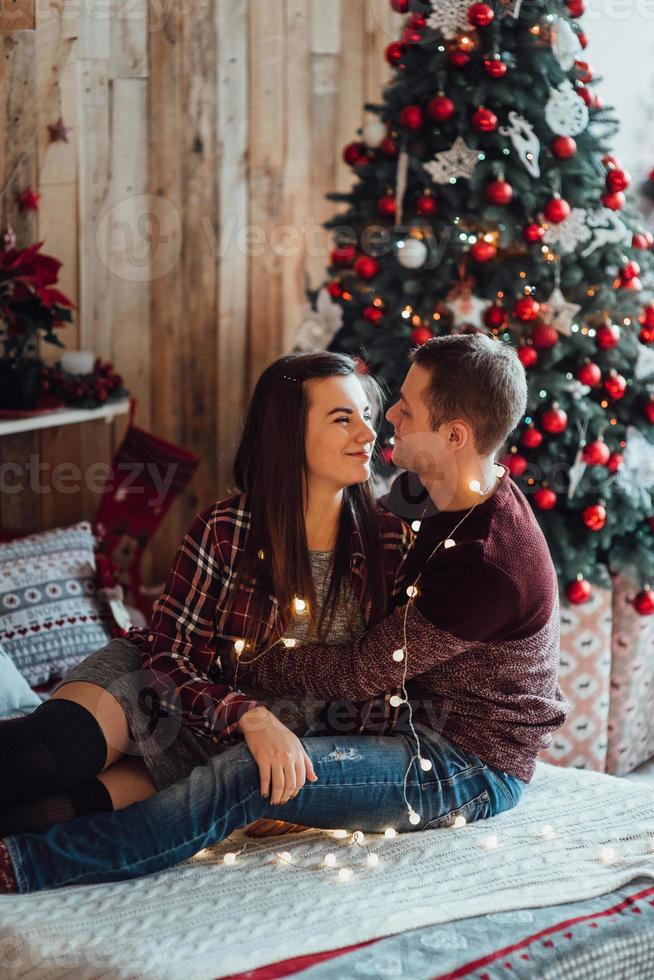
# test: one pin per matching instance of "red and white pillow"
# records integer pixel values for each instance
(51, 615)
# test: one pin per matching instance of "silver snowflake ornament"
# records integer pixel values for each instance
(458, 161)
(569, 233)
(450, 17)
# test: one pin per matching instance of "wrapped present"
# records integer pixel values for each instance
(631, 714)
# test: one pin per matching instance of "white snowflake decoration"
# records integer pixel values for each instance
(560, 313)
(637, 469)
(566, 113)
(606, 229)
(565, 43)
(525, 142)
(569, 233)
(644, 367)
(458, 161)
(320, 325)
(450, 17)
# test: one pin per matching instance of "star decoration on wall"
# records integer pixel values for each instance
(458, 161)
(59, 131)
(561, 313)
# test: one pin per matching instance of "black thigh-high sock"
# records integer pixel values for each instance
(56, 747)
(33, 816)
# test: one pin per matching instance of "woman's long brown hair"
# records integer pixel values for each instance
(271, 468)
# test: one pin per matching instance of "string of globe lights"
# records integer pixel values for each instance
(401, 654)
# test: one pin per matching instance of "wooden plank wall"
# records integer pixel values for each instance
(187, 206)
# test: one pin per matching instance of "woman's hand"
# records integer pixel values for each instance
(278, 753)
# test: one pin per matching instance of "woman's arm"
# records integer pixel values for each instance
(181, 643)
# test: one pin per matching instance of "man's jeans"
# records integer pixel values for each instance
(359, 787)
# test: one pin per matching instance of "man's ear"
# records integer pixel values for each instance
(458, 436)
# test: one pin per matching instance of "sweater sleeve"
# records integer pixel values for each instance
(181, 645)
(452, 613)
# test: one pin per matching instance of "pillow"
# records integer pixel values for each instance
(50, 614)
(16, 696)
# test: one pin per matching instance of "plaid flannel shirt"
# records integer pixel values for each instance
(189, 646)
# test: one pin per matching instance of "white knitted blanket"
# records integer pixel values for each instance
(204, 918)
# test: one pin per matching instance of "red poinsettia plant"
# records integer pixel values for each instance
(30, 304)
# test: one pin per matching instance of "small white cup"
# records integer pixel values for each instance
(78, 361)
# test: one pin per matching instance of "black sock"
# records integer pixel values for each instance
(57, 746)
(33, 816)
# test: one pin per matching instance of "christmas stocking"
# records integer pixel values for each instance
(147, 475)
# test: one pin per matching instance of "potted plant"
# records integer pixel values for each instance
(30, 307)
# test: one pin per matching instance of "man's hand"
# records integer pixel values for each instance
(278, 753)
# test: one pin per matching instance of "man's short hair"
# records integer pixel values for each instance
(477, 378)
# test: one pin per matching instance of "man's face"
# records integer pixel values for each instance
(417, 447)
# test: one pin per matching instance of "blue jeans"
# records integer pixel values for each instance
(359, 787)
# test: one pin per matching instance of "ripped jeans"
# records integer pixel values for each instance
(361, 785)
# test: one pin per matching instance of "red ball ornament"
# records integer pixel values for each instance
(531, 437)
(528, 356)
(545, 499)
(585, 94)
(373, 314)
(400, 6)
(386, 455)
(617, 180)
(583, 40)
(483, 251)
(615, 462)
(578, 591)
(615, 385)
(633, 285)
(642, 240)
(533, 233)
(576, 8)
(607, 336)
(426, 205)
(440, 109)
(334, 289)
(644, 602)
(411, 36)
(646, 335)
(563, 147)
(499, 192)
(458, 59)
(484, 121)
(647, 316)
(418, 21)
(366, 267)
(596, 453)
(630, 270)
(480, 15)
(594, 517)
(649, 410)
(345, 255)
(495, 67)
(388, 146)
(412, 117)
(584, 71)
(395, 53)
(544, 336)
(556, 210)
(354, 153)
(420, 335)
(515, 464)
(554, 420)
(589, 374)
(614, 201)
(495, 316)
(386, 206)
(526, 309)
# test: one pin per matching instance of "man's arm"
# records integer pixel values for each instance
(366, 668)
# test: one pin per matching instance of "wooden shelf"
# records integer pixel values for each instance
(64, 416)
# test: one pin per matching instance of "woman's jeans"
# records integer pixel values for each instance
(359, 787)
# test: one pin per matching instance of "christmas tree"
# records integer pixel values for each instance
(485, 198)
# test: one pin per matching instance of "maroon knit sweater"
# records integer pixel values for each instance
(482, 639)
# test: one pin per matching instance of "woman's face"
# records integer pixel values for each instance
(339, 434)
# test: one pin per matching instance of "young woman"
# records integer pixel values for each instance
(139, 714)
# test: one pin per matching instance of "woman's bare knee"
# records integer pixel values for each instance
(106, 710)
(128, 781)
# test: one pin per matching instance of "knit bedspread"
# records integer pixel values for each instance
(204, 918)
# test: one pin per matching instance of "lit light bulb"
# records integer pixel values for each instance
(414, 817)
(358, 837)
(340, 834)
(415, 525)
(285, 856)
(459, 821)
(425, 765)
(411, 591)
(390, 832)
(239, 646)
(229, 858)
(299, 604)
(261, 554)
(398, 656)
(289, 642)
(345, 874)
(330, 860)
(373, 860)
(475, 486)
(449, 543)
(606, 855)
(396, 701)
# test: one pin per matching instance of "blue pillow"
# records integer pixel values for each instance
(16, 696)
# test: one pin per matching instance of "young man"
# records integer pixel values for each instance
(473, 650)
